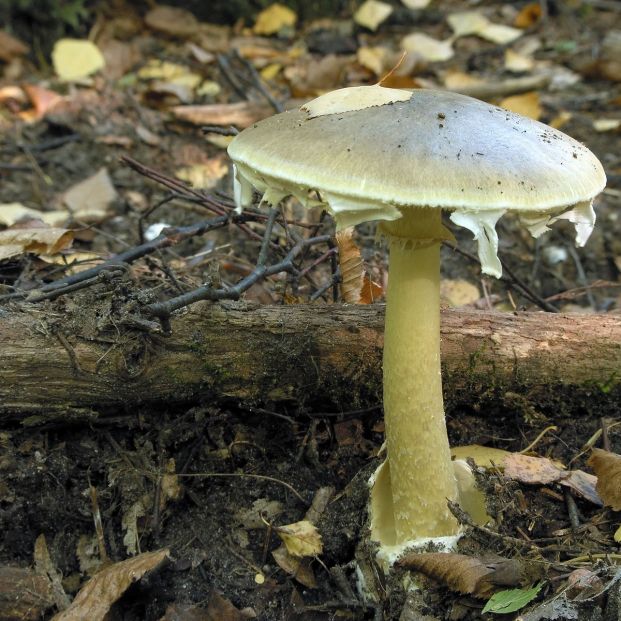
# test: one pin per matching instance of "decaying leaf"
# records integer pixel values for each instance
(43, 100)
(221, 609)
(466, 574)
(206, 174)
(416, 4)
(428, 48)
(532, 470)
(298, 568)
(518, 63)
(607, 467)
(241, 114)
(171, 20)
(24, 594)
(527, 104)
(458, 292)
(75, 59)
(352, 267)
(505, 602)
(92, 197)
(528, 16)
(606, 125)
(301, 538)
(466, 23)
(11, 47)
(45, 567)
(541, 470)
(274, 18)
(372, 13)
(106, 587)
(33, 240)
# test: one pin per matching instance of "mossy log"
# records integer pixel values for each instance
(270, 354)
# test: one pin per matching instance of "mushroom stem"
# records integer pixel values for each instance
(421, 472)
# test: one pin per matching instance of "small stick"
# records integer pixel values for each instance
(101, 541)
(572, 509)
(605, 437)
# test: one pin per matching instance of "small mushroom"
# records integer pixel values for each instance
(401, 157)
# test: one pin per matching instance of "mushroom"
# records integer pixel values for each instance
(401, 157)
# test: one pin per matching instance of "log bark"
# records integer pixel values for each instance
(298, 354)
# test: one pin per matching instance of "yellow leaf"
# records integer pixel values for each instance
(204, 175)
(499, 33)
(301, 538)
(269, 72)
(377, 59)
(75, 59)
(617, 535)
(560, 119)
(606, 125)
(274, 18)
(527, 104)
(372, 13)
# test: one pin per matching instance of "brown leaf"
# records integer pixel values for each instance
(298, 568)
(97, 596)
(607, 467)
(221, 609)
(24, 595)
(172, 21)
(527, 104)
(352, 268)
(529, 469)
(465, 574)
(528, 16)
(10, 47)
(39, 240)
(370, 292)
(43, 101)
(241, 114)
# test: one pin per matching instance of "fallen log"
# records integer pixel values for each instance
(298, 354)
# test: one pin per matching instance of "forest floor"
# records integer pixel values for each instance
(180, 507)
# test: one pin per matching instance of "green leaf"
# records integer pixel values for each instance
(504, 602)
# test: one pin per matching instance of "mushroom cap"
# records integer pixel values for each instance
(434, 149)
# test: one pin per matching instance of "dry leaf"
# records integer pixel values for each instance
(455, 80)
(11, 47)
(74, 59)
(221, 609)
(606, 125)
(371, 291)
(617, 535)
(34, 240)
(241, 114)
(172, 21)
(206, 174)
(45, 567)
(607, 467)
(528, 16)
(372, 13)
(483, 456)
(298, 568)
(11, 213)
(273, 19)
(352, 268)
(464, 23)
(541, 470)
(518, 63)
(561, 119)
(301, 538)
(428, 48)
(24, 595)
(499, 33)
(416, 4)
(465, 574)
(95, 598)
(532, 470)
(458, 292)
(377, 59)
(527, 104)
(89, 200)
